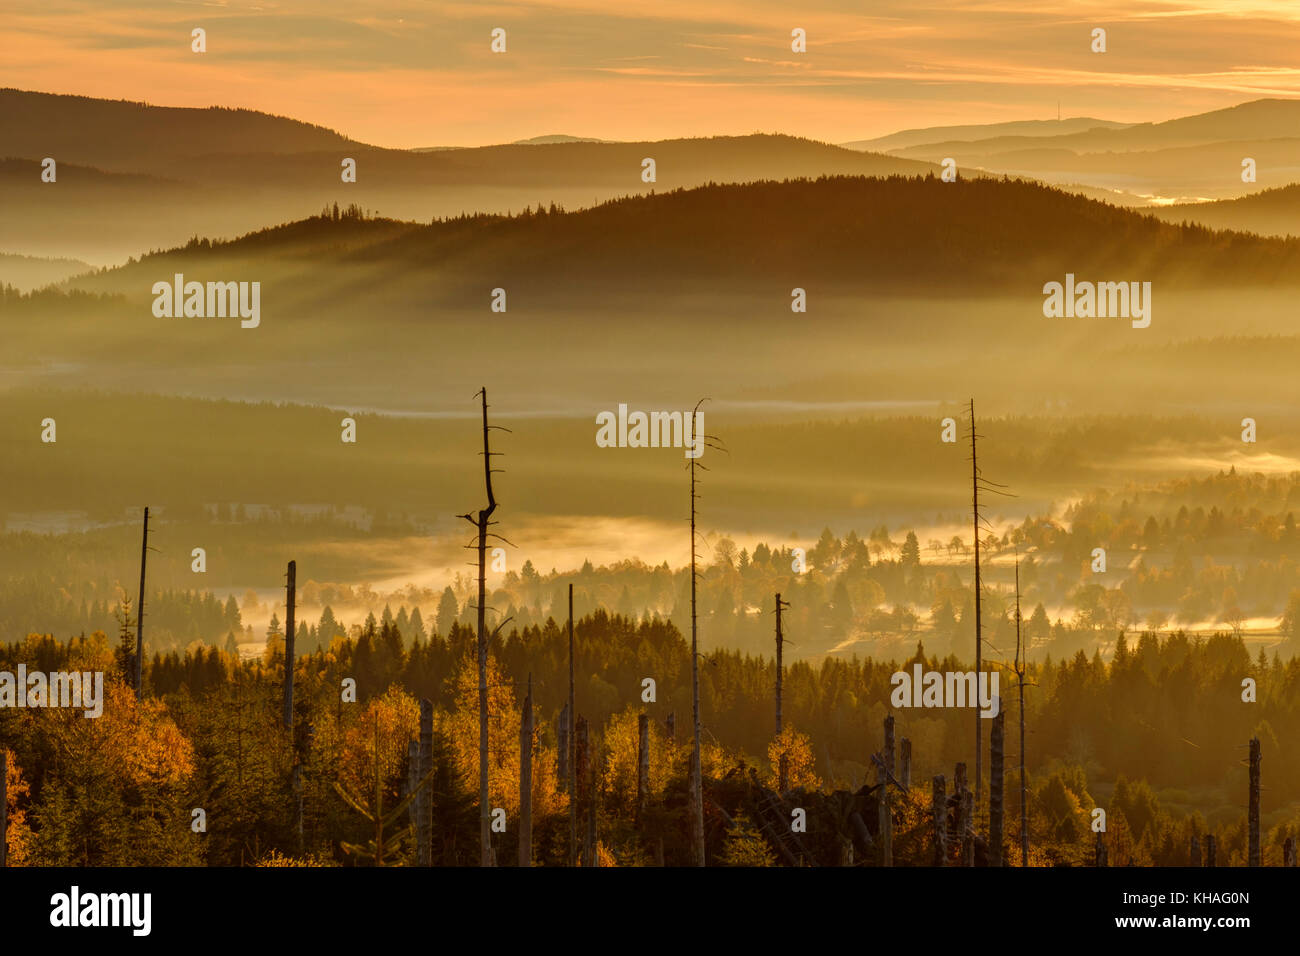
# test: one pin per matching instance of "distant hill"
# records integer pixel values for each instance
(1271, 212)
(557, 138)
(984, 131)
(25, 273)
(1192, 157)
(975, 237)
(134, 177)
(1256, 120)
(125, 136)
(917, 290)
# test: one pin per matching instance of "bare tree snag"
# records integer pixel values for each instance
(572, 745)
(886, 819)
(481, 522)
(905, 763)
(290, 588)
(139, 612)
(996, 771)
(975, 508)
(889, 743)
(780, 669)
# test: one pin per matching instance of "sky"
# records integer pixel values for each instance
(414, 73)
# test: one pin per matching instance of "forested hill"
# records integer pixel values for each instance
(972, 237)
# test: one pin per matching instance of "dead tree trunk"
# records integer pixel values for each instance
(697, 791)
(1100, 856)
(696, 775)
(670, 726)
(562, 750)
(1211, 850)
(290, 589)
(481, 522)
(1021, 669)
(886, 823)
(939, 807)
(1194, 853)
(526, 779)
(424, 799)
(996, 803)
(571, 781)
(889, 744)
(780, 669)
(975, 507)
(642, 766)
(139, 612)
(905, 763)
(1253, 815)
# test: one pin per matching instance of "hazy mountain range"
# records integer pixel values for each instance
(133, 177)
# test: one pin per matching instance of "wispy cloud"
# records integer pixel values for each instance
(420, 72)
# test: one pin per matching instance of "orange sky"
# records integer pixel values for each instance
(420, 72)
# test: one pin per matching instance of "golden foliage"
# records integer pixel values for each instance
(462, 728)
(375, 747)
(18, 835)
(800, 766)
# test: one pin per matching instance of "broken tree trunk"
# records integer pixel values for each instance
(562, 755)
(1253, 815)
(889, 743)
(905, 763)
(481, 522)
(570, 782)
(139, 612)
(1099, 853)
(290, 589)
(780, 640)
(1211, 850)
(696, 775)
(526, 779)
(1194, 852)
(670, 726)
(997, 738)
(939, 808)
(886, 815)
(979, 642)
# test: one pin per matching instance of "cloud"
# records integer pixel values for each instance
(415, 72)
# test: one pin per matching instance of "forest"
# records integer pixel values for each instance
(1155, 737)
